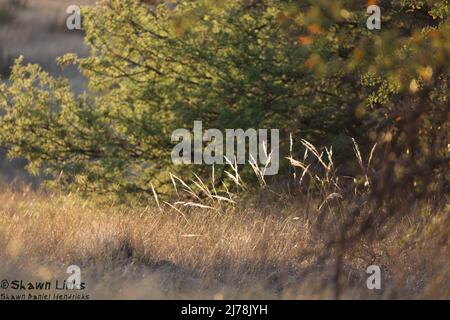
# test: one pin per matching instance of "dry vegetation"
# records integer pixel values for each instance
(250, 252)
(276, 245)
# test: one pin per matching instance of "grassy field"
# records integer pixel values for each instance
(248, 251)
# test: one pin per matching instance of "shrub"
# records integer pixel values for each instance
(309, 68)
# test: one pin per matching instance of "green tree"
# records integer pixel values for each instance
(310, 68)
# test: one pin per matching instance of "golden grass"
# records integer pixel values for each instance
(252, 250)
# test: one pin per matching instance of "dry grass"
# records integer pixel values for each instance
(250, 251)
(277, 244)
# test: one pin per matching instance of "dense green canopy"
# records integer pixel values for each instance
(309, 68)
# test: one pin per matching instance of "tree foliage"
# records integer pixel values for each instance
(309, 68)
